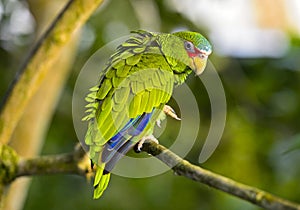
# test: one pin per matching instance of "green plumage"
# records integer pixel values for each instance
(137, 82)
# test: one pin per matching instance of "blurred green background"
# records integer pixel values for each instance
(257, 55)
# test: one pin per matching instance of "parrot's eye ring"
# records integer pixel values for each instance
(189, 46)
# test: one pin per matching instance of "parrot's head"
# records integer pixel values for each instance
(197, 49)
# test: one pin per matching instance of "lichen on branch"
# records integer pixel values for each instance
(8, 164)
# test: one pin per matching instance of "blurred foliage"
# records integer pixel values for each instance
(262, 124)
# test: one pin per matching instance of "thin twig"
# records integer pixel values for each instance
(196, 173)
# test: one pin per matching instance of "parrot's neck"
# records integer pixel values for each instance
(180, 78)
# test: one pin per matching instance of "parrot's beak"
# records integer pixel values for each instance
(199, 63)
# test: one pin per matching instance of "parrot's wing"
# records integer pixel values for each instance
(137, 83)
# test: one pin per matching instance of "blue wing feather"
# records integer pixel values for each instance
(123, 141)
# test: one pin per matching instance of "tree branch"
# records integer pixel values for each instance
(39, 61)
(12, 166)
(196, 173)
(78, 163)
(70, 163)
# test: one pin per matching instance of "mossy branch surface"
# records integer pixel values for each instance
(69, 163)
(13, 166)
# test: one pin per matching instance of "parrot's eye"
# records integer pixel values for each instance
(189, 46)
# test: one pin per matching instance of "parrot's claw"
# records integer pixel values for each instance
(170, 111)
(146, 138)
(158, 123)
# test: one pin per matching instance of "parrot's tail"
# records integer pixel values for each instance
(100, 182)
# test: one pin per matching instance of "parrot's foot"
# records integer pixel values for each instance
(158, 123)
(167, 110)
(170, 111)
(142, 141)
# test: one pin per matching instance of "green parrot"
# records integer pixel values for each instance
(132, 93)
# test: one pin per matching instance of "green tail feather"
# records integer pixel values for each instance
(100, 182)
